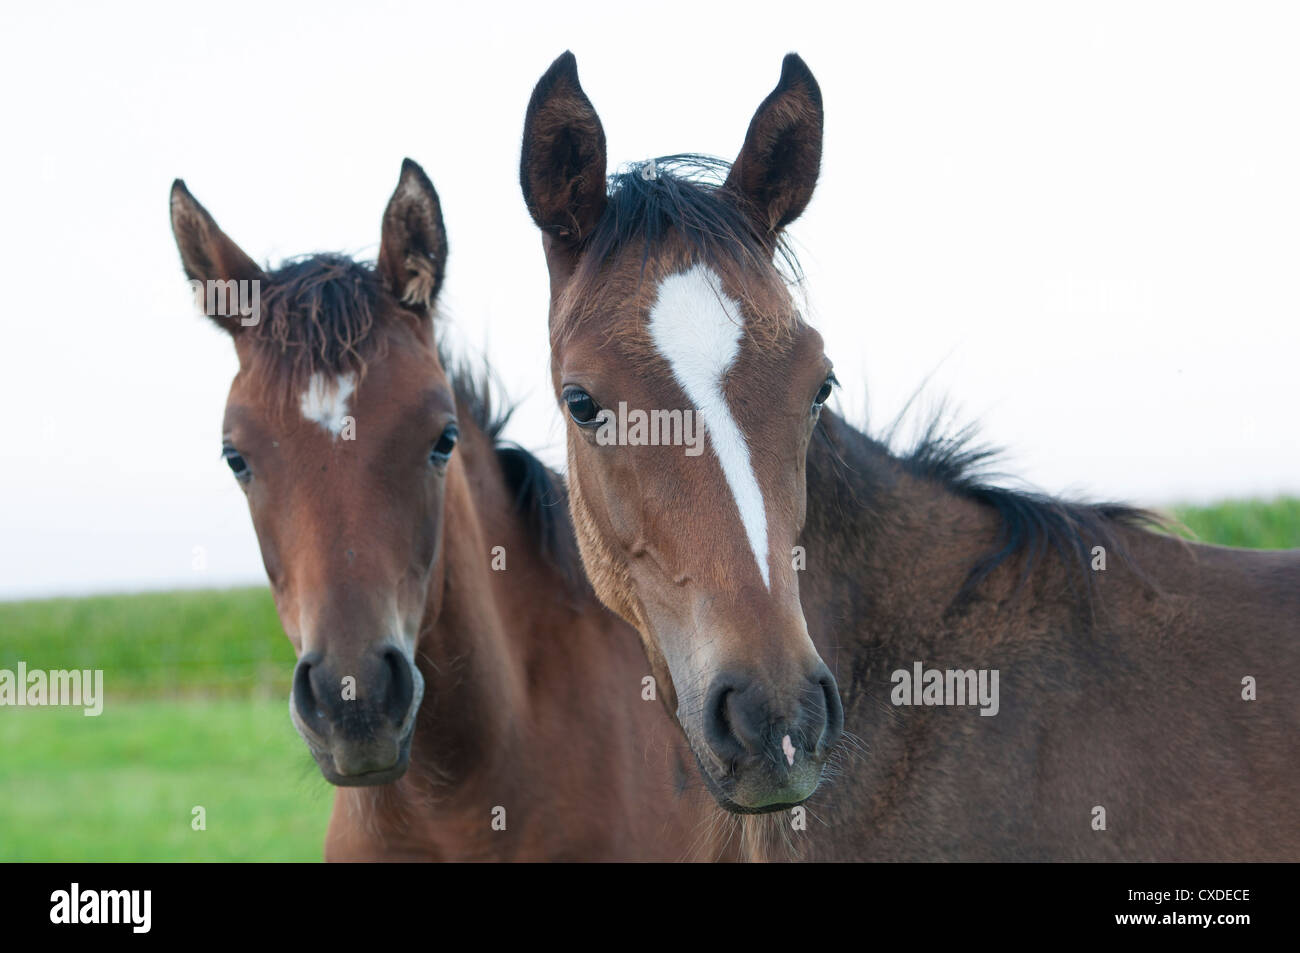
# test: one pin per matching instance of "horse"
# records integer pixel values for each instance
(824, 609)
(456, 678)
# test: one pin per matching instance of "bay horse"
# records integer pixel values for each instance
(456, 677)
(797, 584)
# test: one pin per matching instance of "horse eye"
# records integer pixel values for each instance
(824, 394)
(582, 408)
(238, 465)
(444, 445)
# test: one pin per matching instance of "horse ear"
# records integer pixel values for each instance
(562, 164)
(208, 255)
(413, 243)
(777, 168)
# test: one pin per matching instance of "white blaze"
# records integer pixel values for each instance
(697, 328)
(326, 401)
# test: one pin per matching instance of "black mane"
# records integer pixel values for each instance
(1031, 523)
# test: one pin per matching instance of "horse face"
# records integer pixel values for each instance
(665, 300)
(340, 428)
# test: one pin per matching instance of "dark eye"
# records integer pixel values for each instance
(238, 465)
(582, 408)
(824, 394)
(444, 445)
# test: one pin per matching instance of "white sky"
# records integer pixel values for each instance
(1081, 224)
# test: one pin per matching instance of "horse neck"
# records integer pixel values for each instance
(495, 604)
(899, 549)
(468, 649)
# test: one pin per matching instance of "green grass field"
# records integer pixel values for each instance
(1254, 524)
(124, 785)
(196, 715)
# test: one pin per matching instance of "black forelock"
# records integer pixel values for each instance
(682, 194)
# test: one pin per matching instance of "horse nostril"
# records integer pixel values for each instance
(738, 718)
(834, 724)
(400, 685)
(304, 695)
(717, 722)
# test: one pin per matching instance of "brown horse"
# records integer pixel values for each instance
(1123, 720)
(457, 678)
